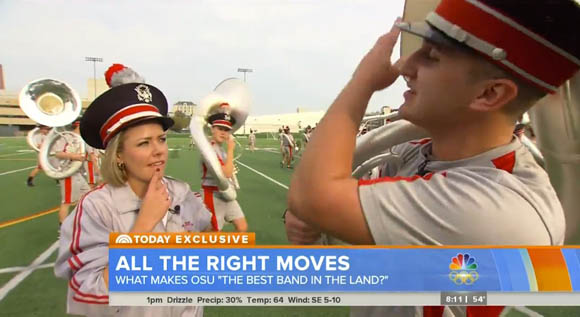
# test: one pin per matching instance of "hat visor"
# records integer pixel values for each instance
(221, 125)
(425, 31)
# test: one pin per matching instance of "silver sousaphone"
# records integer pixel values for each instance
(236, 93)
(34, 138)
(54, 104)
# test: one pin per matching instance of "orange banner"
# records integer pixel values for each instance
(181, 239)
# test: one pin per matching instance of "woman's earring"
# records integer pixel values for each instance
(121, 166)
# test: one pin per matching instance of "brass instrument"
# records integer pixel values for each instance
(236, 93)
(55, 104)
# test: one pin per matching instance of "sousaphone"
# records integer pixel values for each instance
(55, 104)
(236, 93)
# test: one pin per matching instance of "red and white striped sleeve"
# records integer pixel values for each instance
(83, 251)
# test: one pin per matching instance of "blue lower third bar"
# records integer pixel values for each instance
(313, 270)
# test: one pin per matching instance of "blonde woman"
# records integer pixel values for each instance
(128, 121)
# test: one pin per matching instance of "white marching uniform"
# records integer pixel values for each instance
(500, 197)
(74, 186)
(252, 139)
(222, 211)
(38, 139)
(89, 165)
(280, 139)
(84, 243)
(287, 143)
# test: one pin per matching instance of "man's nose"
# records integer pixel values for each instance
(409, 67)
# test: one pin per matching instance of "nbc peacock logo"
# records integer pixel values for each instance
(463, 269)
(123, 239)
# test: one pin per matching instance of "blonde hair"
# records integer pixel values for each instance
(112, 172)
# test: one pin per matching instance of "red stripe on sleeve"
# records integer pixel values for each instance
(388, 179)
(90, 301)
(421, 142)
(75, 287)
(76, 235)
(72, 265)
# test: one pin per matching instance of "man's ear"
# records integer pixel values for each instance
(495, 94)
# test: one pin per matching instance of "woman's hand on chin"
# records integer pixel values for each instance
(155, 204)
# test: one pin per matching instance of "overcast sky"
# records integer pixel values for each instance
(302, 52)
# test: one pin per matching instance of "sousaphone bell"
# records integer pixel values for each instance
(55, 104)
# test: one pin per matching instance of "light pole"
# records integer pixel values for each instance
(245, 70)
(94, 60)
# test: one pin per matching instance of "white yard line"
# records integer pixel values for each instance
(263, 175)
(15, 154)
(22, 268)
(270, 150)
(16, 280)
(18, 170)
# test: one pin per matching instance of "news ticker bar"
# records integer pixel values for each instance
(343, 299)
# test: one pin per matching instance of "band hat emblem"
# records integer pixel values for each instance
(143, 93)
(121, 107)
(504, 41)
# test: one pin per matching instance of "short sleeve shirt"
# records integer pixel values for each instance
(498, 197)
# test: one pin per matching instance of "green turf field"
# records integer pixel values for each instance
(41, 294)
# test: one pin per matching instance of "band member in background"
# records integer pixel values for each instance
(128, 121)
(92, 166)
(307, 133)
(468, 83)
(288, 147)
(252, 140)
(42, 135)
(280, 136)
(74, 186)
(222, 211)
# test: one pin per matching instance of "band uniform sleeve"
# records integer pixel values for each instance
(458, 206)
(83, 252)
